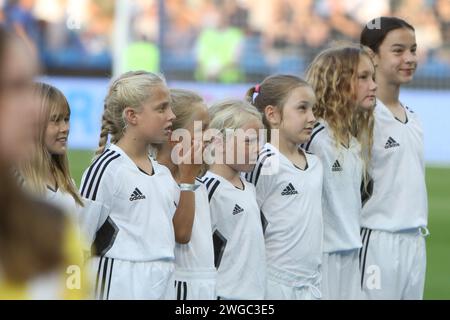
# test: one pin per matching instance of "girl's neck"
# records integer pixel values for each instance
(227, 173)
(389, 94)
(135, 148)
(164, 158)
(285, 147)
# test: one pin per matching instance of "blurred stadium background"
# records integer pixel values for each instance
(219, 48)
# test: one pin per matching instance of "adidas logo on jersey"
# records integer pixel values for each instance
(391, 143)
(237, 210)
(336, 166)
(136, 195)
(289, 190)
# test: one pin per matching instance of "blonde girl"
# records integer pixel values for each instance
(132, 219)
(343, 80)
(38, 244)
(237, 231)
(195, 275)
(47, 172)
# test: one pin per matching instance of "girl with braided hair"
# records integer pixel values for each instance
(133, 215)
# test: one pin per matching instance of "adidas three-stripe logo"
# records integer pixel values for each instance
(289, 190)
(336, 166)
(95, 173)
(391, 143)
(237, 210)
(136, 195)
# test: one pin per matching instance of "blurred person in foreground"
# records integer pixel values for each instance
(40, 255)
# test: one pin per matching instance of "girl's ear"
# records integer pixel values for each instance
(130, 116)
(273, 116)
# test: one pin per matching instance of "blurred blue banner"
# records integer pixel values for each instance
(86, 96)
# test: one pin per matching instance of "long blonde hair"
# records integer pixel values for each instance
(35, 172)
(333, 74)
(31, 232)
(131, 89)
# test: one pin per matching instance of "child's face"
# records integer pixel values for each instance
(156, 116)
(396, 59)
(298, 119)
(195, 131)
(57, 133)
(199, 122)
(366, 87)
(241, 155)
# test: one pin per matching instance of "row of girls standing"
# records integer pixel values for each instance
(369, 145)
(167, 229)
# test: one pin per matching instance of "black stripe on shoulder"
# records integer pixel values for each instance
(208, 182)
(315, 132)
(259, 168)
(93, 169)
(94, 196)
(316, 125)
(212, 190)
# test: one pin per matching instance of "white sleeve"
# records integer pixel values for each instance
(264, 179)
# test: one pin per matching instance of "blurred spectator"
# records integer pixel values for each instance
(218, 48)
(271, 35)
(142, 52)
(442, 12)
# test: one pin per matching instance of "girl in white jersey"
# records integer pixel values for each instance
(288, 184)
(195, 274)
(131, 216)
(237, 231)
(343, 80)
(47, 171)
(394, 215)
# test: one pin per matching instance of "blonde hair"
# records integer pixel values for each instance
(273, 91)
(35, 172)
(232, 114)
(333, 75)
(131, 89)
(183, 103)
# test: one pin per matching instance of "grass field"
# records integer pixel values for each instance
(437, 284)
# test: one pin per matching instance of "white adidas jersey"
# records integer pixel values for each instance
(128, 213)
(398, 200)
(238, 239)
(291, 210)
(341, 197)
(198, 254)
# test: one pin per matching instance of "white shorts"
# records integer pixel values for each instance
(393, 265)
(341, 277)
(284, 286)
(192, 285)
(122, 280)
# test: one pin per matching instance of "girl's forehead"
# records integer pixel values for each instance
(303, 93)
(402, 36)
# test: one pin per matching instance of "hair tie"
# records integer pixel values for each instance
(255, 94)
